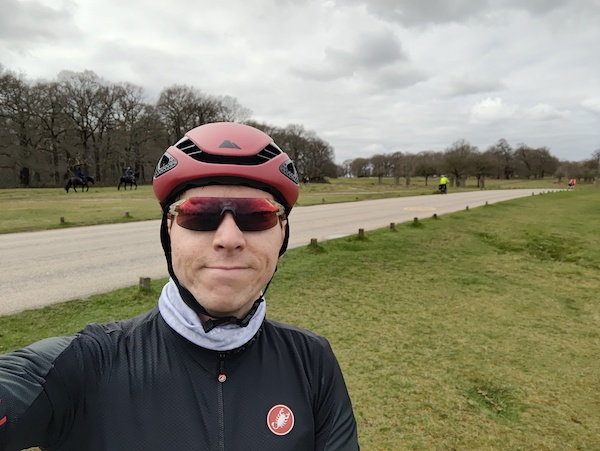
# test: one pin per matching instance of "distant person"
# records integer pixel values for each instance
(205, 369)
(443, 184)
(129, 173)
(572, 183)
(79, 175)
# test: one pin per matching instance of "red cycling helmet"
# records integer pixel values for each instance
(226, 153)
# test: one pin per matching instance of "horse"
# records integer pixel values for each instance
(126, 180)
(75, 182)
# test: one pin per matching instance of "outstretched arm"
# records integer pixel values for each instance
(27, 415)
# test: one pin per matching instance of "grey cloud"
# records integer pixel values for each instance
(370, 53)
(545, 112)
(416, 13)
(23, 23)
(390, 78)
(464, 86)
(378, 50)
(413, 13)
(317, 73)
(541, 7)
(592, 104)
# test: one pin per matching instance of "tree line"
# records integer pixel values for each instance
(462, 160)
(50, 128)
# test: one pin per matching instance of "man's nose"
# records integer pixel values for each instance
(228, 235)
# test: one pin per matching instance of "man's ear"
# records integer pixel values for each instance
(169, 223)
(283, 229)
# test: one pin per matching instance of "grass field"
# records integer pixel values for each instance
(42, 208)
(479, 330)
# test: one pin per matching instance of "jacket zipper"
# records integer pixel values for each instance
(221, 378)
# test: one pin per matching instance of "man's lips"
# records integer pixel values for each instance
(227, 268)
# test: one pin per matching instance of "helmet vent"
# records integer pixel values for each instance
(165, 164)
(289, 170)
(266, 154)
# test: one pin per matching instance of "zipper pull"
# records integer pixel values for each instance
(222, 377)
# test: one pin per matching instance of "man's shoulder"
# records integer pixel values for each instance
(294, 333)
(122, 328)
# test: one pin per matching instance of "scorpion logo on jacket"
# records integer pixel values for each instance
(280, 419)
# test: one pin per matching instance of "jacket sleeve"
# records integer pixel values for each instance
(28, 416)
(335, 421)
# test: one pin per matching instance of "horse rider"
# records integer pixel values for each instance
(129, 173)
(79, 175)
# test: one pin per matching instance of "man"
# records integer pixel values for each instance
(205, 370)
(443, 187)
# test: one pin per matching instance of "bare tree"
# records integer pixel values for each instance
(505, 158)
(360, 167)
(16, 105)
(427, 164)
(381, 165)
(483, 165)
(596, 159)
(51, 113)
(589, 169)
(525, 155)
(178, 108)
(139, 129)
(404, 166)
(228, 109)
(544, 163)
(319, 159)
(458, 161)
(85, 95)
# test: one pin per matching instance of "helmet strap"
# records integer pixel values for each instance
(215, 321)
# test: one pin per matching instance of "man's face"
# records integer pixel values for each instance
(225, 269)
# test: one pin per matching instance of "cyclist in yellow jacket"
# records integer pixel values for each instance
(443, 186)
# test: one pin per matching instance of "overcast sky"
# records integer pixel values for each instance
(369, 77)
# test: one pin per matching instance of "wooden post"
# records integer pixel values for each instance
(467, 208)
(145, 283)
(62, 219)
(361, 233)
(313, 241)
(392, 226)
(415, 220)
(126, 214)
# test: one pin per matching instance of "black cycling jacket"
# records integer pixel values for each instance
(138, 385)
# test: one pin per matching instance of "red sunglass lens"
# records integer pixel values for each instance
(256, 221)
(203, 222)
(206, 213)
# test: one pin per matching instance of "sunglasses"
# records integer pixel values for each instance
(204, 214)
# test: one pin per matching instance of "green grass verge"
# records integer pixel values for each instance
(478, 330)
(30, 209)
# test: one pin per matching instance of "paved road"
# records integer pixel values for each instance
(41, 268)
